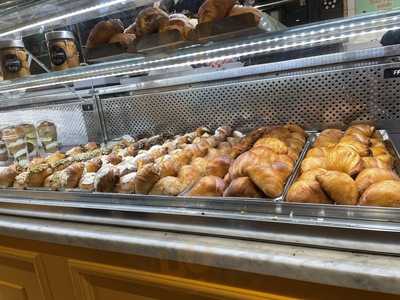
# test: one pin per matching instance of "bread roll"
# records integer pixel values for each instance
(385, 193)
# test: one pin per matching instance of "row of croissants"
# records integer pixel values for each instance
(154, 20)
(352, 167)
(200, 163)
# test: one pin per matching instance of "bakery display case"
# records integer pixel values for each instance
(235, 130)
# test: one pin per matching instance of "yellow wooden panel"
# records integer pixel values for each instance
(22, 276)
(94, 281)
(9, 291)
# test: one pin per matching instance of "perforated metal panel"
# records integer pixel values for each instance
(74, 126)
(313, 99)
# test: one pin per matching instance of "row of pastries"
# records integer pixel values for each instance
(352, 167)
(201, 163)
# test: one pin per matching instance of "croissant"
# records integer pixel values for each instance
(113, 159)
(312, 174)
(386, 159)
(180, 157)
(150, 20)
(87, 182)
(248, 141)
(328, 138)
(318, 152)
(169, 186)
(105, 179)
(211, 186)
(189, 175)
(379, 149)
(200, 164)
(294, 144)
(74, 151)
(366, 129)
(344, 159)
(145, 179)
(368, 177)
(340, 187)
(242, 187)
(222, 133)
(93, 165)
(307, 191)
(7, 176)
(270, 179)
(54, 158)
(224, 148)
(295, 128)
(124, 39)
(126, 166)
(103, 31)
(156, 152)
(274, 144)
(70, 177)
(358, 147)
(166, 166)
(358, 135)
(310, 163)
(219, 166)
(195, 150)
(373, 162)
(214, 10)
(239, 10)
(385, 193)
(37, 174)
(278, 132)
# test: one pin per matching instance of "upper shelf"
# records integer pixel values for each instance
(297, 42)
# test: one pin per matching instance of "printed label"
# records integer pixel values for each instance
(58, 55)
(11, 63)
(392, 73)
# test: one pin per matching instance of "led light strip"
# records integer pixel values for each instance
(214, 59)
(66, 16)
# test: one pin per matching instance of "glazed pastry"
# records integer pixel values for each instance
(87, 182)
(239, 10)
(150, 20)
(247, 142)
(105, 179)
(145, 179)
(340, 187)
(103, 31)
(351, 143)
(370, 176)
(242, 187)
(357, 135)
(307, 191)
(93, 165)
(126, 184)
(70, 177)
(385, 193)
(215, 10)
(344, 159)
(219, 166)
(7, 176)
(210, 186)
(168, 186)
(166, 166)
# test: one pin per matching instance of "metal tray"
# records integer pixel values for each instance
(386, 140)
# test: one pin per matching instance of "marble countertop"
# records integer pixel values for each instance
(354, 270)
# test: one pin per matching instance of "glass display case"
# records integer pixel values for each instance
(207, 125)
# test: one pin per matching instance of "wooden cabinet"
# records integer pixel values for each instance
(32, 270)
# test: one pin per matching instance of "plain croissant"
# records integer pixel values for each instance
(307, 191)
(242, 187)
(370, 176)
(384, 193)
(340, 187)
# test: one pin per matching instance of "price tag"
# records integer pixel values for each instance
(391, 73)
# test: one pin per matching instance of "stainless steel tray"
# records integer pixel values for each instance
(386, 139)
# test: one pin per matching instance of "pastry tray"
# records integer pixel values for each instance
(313, 137)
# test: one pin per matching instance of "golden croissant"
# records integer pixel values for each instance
(340, 187)
(310, 163)
(307, 191)
(344, 159)
(242, 187)
(384, 193)
(370, 176)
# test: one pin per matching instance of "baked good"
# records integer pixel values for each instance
(374, 162)
(385, 193)
(126, 184)
(168, 186)
(103, 31)
(188, 175)
(242, 187)
(307, 191)
(105, 179)
(7, 176)
(312, 174)
(214, 10)
(328, 138)
(146, 177)
(239, 10)
(37, 174)
(344, 159)
(70, 177)
(124, 39)
(75, 151)
(368, 177)
(219, 166)
(180, 23)
(211, 186)
(131, 29)
(310, 163)
(340, 187)
(20, 181)
(150, 20)
(93, 165)
(87, 182)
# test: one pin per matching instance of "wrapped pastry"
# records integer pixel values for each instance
(14, 137)
(87, 182)
(242, 187)
(210, 186)
(103, 31)
(340, 187)
(168, 186)
(150, 20)
(47, 133)
(126, 184)
(215, 10)
(385, 193)
(370, 176)
(105, 179)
